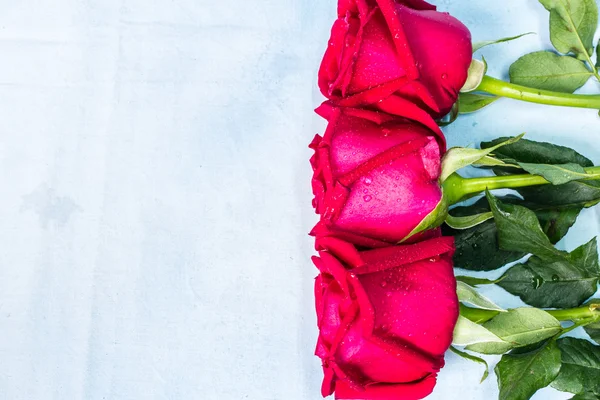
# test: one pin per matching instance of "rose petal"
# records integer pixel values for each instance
(407, 391)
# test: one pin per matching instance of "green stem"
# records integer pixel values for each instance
(586, 312)
(505, 89)
(457, 188)
(589, 312)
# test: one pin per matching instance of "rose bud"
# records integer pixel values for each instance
(391, 55)
(376, 177)
(385, 317)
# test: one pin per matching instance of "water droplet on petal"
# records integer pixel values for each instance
(367, 198)
(383, 284)
(444, 76)
(368, 181)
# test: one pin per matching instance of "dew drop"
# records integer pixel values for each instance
(536, 282)
(367, 198)
(383, 284)
(365, 191)
(444, 76)
(555, 278)
(368, 181)
(397, 178)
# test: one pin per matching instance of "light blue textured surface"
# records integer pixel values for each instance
(155, 194)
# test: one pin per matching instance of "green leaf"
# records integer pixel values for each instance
(598, 55)
(580, 372)
(549, 71)
(518, 327)
(467, 332)
(489, 161)
(477, 248)
(475, 75)
(521, 375)
(570, 195)
(558, 174)
(468, 221)
(473, 358)
(469, 295)
(472, 281)
(559, 284)
(594, 331)
(479, 45)
(572, 25)
(585, 396)
(529, 151)
(519, 230)
(433, 220)
(556, 222)
(460, 157)
(471, 102)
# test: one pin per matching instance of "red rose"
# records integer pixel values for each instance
(385, 317)
(394, 55)
(375, 176)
